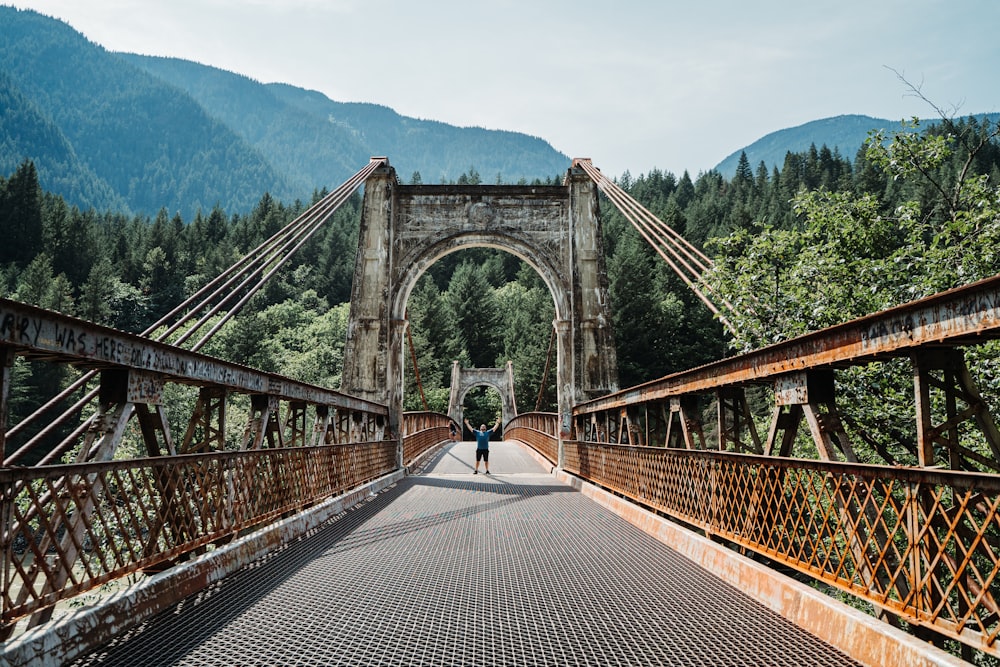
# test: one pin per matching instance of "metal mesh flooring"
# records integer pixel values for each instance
(448, 568)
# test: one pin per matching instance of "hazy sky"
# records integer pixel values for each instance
(633, 85)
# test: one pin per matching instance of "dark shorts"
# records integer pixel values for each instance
(483, 455)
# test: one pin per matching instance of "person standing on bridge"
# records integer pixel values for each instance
(482, 444)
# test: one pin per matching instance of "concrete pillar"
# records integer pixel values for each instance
(564, 380)
(394, 388)
(597, 363)
(366, 351)
(454, 399)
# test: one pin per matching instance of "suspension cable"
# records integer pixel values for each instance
(287, 240)
(689, 263)
(545, 373)
(413, 360)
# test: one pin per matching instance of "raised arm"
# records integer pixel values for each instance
(468, 424)
(497, 425)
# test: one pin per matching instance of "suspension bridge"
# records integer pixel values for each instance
(628, 527)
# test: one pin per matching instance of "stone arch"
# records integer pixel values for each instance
(429, 255)
(464, 380)
(406, 228)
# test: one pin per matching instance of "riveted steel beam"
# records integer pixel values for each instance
(41, 334)
(962, 316)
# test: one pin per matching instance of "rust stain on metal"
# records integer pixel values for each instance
(950, 318)
(35, 331)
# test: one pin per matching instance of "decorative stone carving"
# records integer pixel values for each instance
(405, 229)
(481, 214)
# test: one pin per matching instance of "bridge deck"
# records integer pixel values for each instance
(448, 568)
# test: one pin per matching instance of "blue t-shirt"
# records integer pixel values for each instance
(483, 439)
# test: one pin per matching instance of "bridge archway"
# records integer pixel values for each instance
(464, 380)
(406, 228)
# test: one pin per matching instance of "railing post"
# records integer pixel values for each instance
(6, 369)
(6, 545)
(914, 548)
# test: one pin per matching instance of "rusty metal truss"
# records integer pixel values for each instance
(922, 544)
(133, 371)
(917, 542)
(69, 528)
(800, 375)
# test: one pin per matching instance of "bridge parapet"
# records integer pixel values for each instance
(424, 430)
(539, 430)
(921, 544)
(69, 528)
(917, 542)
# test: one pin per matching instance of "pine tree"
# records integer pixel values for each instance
(21, 212)
(474, 305)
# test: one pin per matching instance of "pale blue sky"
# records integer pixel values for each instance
(633, 85)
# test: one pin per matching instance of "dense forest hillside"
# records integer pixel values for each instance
(137, 134)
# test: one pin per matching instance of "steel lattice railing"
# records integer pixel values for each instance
(538, 430)
(922, 544)
(422, 431)
(126, 516)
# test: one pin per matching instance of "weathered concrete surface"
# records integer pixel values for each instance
(464, 379)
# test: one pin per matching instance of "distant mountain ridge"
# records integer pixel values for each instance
(304, 132)
(136, 133)
(844, 134)
(115, 136)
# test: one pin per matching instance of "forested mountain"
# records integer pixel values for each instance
(137, 134)
(843, 135)
(138, 137)
(311, 136)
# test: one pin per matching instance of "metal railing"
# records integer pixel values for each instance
(82, 525)
(424, 430)
(538, 430)
(923, 544)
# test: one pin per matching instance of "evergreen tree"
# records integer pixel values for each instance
(95, 304)
(634, 317)
(433, 324)
(475, 310)
(524, 338)
(21, 211)
(34, 282)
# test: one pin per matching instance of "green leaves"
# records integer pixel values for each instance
(932, 225)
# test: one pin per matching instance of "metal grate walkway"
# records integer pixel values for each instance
(450, 568)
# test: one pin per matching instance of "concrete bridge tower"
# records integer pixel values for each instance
(406, 228)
